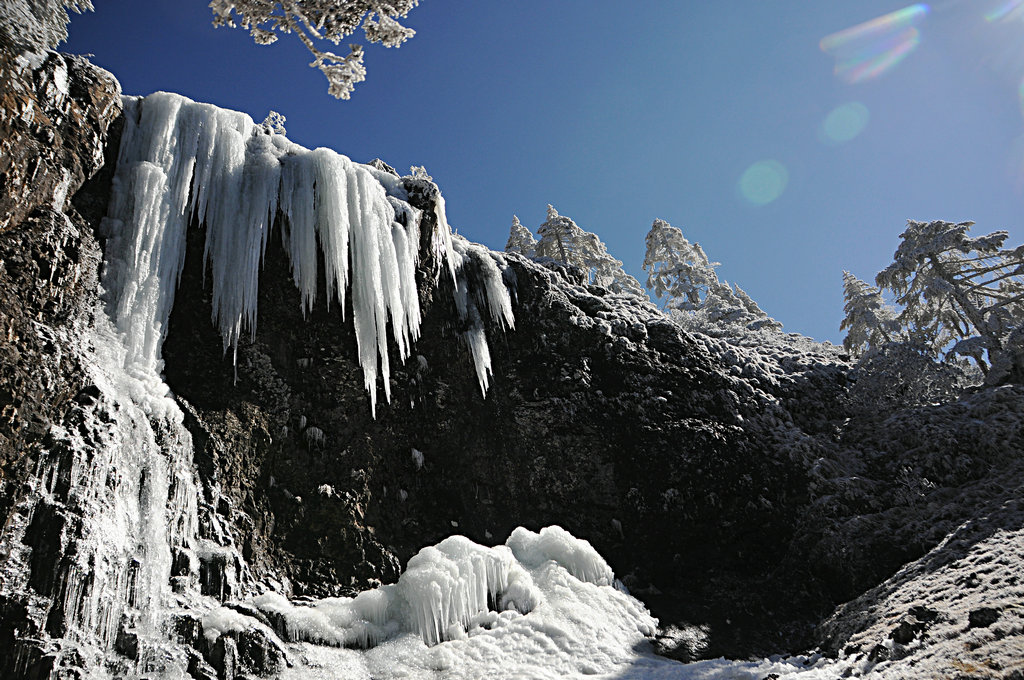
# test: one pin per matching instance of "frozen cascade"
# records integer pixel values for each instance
(120, 486)
(180, 161)
(116, 495)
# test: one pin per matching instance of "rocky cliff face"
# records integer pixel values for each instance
(723, 478)
(53, 129)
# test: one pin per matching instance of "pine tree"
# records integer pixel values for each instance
(37, 25)
(561, 239)
(869, 322)
(520, 240)
(964, 291)
(680, 273)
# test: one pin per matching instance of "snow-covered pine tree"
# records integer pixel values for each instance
(316, 20)
(520, 239)
(680, 273)
(607, 271)
(869, 322)
(677, 270)
(957, 289)
(562, 240)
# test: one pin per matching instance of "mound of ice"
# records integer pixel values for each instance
(556, 544)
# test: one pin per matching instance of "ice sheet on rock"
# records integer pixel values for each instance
(181, 161)
(123, 477)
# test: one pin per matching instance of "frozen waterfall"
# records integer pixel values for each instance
(181, 161)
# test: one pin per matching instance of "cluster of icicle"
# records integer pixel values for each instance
(181, 161)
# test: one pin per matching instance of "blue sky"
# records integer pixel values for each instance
(618, 113)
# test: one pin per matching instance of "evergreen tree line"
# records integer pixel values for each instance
(956, 314)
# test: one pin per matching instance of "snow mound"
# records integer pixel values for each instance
(181, 161)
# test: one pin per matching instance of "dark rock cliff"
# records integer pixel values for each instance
(726, 481)
(603, 417)
(54, 120)
(53, 126)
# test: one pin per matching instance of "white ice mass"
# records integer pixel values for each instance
(181, 161)
(542, 605)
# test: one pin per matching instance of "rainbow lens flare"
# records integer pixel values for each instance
(868, 50)
(1007, 11)
(763, 182)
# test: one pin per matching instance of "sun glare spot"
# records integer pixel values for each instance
(868, 50)
(844, 123)
(763, 182)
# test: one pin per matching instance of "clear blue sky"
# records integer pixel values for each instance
(619, 112)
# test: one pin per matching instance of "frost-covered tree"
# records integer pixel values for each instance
(680, 273)
(961, 295)
(895, 368)
(520, 239)
(608, 272)
(37, 25)
(869, 321)
(562, 240)
(318, 20)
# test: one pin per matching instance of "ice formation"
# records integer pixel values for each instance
(541, 606)
(181, 161)
(488, 291)
(466, 601)
(123, 479)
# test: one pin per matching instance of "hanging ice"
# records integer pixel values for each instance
(180, 161)
(470, 260)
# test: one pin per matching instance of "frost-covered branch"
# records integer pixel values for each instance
(318, 20)
(37, 25)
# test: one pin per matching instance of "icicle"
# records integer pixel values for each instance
(180, 160)
(489, 267)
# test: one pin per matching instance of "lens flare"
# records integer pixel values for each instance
(844, 123)
(1007, 11)
(763, 182)
(868, 50)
